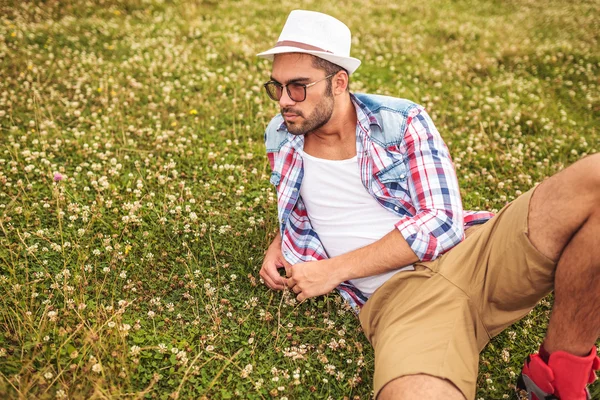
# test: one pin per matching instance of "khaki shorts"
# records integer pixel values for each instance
(435, 320)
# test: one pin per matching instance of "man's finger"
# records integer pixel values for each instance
(288, 270)
(275, 286)
(290, 283)
(273, 274)
(269, 281)
(296, 289)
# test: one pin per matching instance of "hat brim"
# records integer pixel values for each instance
(350, 64)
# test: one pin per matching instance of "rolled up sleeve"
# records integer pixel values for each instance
(437, 224)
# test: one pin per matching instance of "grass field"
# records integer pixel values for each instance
(135, 204)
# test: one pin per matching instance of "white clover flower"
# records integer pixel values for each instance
(505, 355)
(97, 368)
(52, 315)
(48, 375)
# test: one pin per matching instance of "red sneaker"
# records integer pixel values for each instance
(565, 377)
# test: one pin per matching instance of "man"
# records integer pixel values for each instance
(368, 203)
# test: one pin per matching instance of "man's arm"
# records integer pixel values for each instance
(320, 277)
(435, 226)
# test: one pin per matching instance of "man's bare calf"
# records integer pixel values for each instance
(564, 225)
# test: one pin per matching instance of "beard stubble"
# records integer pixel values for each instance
(318, 118)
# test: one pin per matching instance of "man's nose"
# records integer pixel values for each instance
(285, 100)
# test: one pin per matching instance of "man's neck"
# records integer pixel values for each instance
(336, 140)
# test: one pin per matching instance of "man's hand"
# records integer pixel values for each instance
(272, 262)
(312, 279)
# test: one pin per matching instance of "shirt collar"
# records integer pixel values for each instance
(363, 115)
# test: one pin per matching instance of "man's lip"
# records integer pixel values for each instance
(290, 115)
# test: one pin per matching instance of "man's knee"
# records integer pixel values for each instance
(420, 387)
(573, 193)
(588, 174)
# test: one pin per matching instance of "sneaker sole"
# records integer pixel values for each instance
(526, 384)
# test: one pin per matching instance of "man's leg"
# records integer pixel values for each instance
(503, 277)
(426, 336)
(420, 387)
(564, 225)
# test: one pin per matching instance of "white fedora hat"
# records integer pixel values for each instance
(318, 34)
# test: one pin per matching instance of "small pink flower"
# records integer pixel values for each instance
(58, 177)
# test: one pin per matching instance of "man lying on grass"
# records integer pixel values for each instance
(368, 203)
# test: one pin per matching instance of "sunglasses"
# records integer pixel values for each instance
(296, 91)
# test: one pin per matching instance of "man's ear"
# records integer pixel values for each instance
(340, 82)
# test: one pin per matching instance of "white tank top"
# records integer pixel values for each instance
(342, 212)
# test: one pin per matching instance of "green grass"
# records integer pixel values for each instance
(137, 274)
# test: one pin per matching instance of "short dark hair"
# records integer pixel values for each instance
(329, 68)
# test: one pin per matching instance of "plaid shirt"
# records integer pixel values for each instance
(404, 164)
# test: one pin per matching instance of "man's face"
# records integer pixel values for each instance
(316, 110)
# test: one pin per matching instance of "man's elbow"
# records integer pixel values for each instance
(432, 233)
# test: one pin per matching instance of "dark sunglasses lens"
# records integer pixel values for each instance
(297, 92)
(273, 90)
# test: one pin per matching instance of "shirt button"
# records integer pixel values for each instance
(294, 190)
(397, 208)
(402, 176)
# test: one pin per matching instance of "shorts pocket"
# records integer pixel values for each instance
(541, 269)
